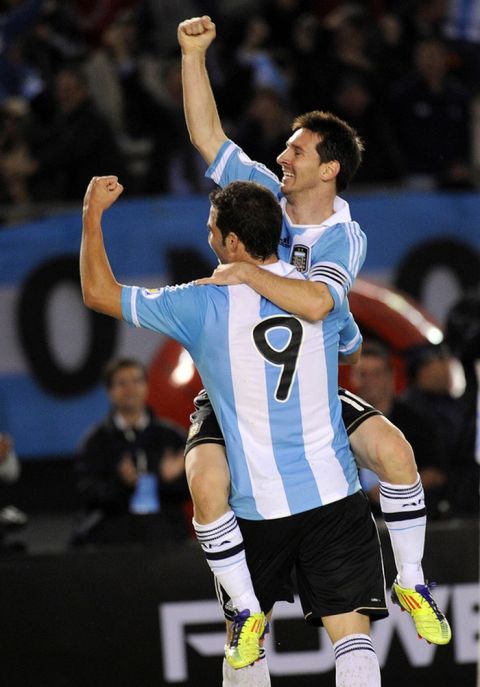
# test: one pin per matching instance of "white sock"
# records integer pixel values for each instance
(256, 675)
(403, 508)
(356, 663)
(222, 543)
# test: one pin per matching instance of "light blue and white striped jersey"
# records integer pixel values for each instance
(273, 383)
(332, 252)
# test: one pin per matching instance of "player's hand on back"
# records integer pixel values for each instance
(101, 193)
(195, 35)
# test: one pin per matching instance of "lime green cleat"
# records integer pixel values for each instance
(429, 620)
(247, 631)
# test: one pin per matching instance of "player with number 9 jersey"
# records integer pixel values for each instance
(272, 381)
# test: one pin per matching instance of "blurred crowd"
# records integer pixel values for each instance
(92, 87)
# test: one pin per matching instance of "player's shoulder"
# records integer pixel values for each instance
(346, 233)
(345, 227)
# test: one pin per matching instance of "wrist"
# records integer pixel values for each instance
(249, 274)
(92, 213)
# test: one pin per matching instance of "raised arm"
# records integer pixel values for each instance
(201, 115)
(100, 289)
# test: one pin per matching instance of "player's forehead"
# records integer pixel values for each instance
(212, 216)
(305, 139)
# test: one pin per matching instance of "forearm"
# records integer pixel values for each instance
(100, 289)
(311, 301)
(201, 115)
(350, 358)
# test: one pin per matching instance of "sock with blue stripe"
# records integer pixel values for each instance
(222, 543)
(356, 663)
(403, 508)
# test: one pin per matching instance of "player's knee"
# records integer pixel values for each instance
(209, 485)
(397, 460)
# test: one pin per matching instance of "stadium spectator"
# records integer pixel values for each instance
(330, 55)
(125, 84)
(130, 468)
(354, 101)
(373, 378)
(78, 140)
(429, 106)
(265, 127)
(429, 391)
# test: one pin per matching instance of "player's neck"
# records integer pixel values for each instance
(246, 257)
(309, 208)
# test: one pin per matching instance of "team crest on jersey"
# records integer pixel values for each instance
(151, 293)
(300, 257)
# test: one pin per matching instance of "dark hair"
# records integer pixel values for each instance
(116, 364)
(252, 213)
(375, 349)
(338, 141)
(418, 356)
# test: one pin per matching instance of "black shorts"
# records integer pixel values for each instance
(334, 552)
(204, 428)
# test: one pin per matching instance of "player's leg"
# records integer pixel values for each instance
(254, 675)
(356, 662)
(341, 584)
(214, 522)
(381, 447)
(271, 548)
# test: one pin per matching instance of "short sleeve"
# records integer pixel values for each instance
(338, 258)
(232, 164)
(176, 311)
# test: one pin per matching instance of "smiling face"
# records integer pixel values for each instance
(300, 163)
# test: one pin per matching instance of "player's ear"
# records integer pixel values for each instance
(232, 241)
(330, 170)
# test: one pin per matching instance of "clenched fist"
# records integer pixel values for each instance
(195, 35)
(101, 193)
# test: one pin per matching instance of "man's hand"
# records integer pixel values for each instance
(100, 194)
(171, 466)
(228, 275)
(127, 470)
(195, 35)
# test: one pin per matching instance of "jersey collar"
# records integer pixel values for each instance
(282, 269)
(341, 213)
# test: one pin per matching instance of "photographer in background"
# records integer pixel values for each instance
(130, 468)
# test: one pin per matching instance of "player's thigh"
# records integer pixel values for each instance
(206, 465)
(271, 547)
(339, 566)
(381, 447)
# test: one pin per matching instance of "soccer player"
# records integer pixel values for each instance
(272, 380)
(319, 238)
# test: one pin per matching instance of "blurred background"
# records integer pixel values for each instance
(92, 87)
